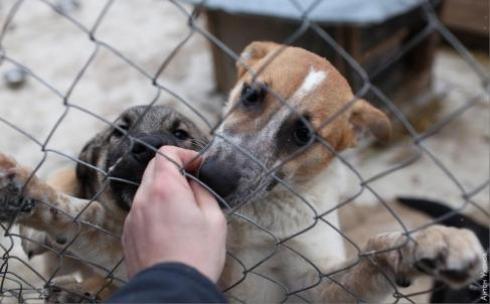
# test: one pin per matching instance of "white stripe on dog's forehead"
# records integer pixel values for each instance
(312, 81)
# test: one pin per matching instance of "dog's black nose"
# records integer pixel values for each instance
(144, 153)
(219, 176)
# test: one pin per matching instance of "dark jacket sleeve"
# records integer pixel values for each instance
(168, 283)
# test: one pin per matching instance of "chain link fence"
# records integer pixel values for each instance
(14, 284)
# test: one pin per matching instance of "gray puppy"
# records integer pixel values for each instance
(125, 160)
(100, 191)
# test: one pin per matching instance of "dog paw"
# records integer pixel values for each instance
(14, 199)
(67, 291)
(452, 255)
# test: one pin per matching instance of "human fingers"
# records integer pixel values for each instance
(180, 158)
(207, 203)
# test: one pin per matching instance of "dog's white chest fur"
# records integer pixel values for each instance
(281, 235)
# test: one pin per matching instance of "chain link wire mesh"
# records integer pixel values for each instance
(14, 286)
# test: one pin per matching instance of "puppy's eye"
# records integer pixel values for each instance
(252, 95)
(181, 134)
(302, 135)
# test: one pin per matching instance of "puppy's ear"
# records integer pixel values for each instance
(366, 117)
(86, 175)
(253, 53)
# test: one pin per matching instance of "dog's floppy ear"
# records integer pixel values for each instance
(366, 117)
(252, 53)
(86, 175)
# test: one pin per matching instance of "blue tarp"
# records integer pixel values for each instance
(330, 11)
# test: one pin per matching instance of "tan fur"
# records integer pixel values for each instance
(64, 180)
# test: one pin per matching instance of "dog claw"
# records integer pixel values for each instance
(403, 281)
(426, 265)
(459, 275)
(61, 240)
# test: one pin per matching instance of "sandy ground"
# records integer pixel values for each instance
(146, 32)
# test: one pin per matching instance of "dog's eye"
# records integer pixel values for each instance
(181, 134)
(302, 134)
(252, 95)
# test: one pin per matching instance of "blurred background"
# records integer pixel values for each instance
(65, 64)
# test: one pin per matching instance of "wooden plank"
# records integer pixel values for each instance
(467, 15)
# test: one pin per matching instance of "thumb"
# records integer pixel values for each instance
(188, 159)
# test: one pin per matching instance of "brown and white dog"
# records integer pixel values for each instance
(278, 243)
(270, 163)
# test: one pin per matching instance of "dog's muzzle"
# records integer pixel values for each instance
(143, 153)
(128, 164)
(220, 176)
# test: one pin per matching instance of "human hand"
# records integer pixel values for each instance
(174, 220)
